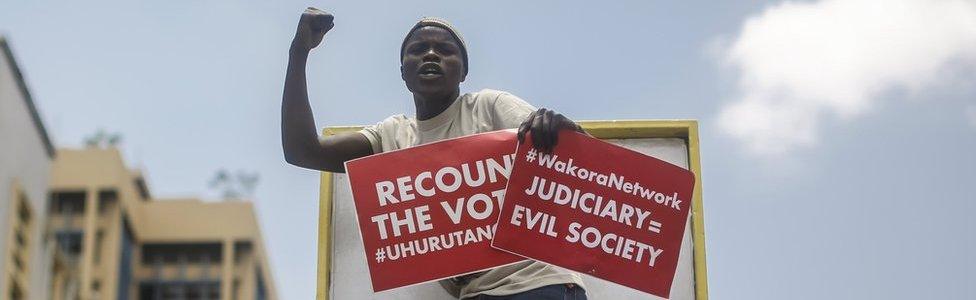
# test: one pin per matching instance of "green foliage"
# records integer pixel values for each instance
(103, 139)
(236, 185)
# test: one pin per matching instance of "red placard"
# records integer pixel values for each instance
(427, 212)
(599, 209)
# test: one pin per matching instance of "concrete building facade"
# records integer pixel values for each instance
(117, 242)
(79, 224)
(26, 153)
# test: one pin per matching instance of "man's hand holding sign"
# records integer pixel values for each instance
(597, 208)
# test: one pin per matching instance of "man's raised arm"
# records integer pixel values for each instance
(299, 137)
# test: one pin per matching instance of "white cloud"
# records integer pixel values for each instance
(800, 64)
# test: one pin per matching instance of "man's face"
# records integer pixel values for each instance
(432, 63)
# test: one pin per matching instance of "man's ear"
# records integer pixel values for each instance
(464, 73)
(401, 73)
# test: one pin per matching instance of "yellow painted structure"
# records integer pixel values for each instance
(115, 240)
(630, 129)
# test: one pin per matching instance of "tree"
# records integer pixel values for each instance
(103, 139)
(237, 185)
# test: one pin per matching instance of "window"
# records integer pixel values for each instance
(170, 253)
(68, 202)
(18, 243)
(261, 292)
(125, 261)
(16, 292)
(69, 241)
(242, 250)
(194, 289)
(99, 240)
(107, 200)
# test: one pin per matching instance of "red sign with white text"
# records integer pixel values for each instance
(427, 212)
(599, 209)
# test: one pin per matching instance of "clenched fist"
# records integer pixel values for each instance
(311, 28)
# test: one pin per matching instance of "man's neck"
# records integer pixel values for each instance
(429, 106)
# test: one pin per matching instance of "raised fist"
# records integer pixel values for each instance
(311, 28)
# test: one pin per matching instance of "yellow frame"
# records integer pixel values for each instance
(685, 129)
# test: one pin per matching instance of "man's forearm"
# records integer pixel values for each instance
(298, 135)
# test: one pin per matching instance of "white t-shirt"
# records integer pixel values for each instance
(482, 111)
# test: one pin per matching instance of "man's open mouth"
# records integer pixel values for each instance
(430, 71)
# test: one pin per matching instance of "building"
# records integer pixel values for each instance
(117, 242)
(79, 224)
(26, 153)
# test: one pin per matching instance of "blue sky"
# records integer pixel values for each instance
(837, 136)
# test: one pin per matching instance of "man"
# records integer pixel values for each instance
(434, 62)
